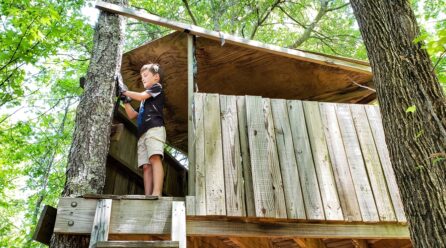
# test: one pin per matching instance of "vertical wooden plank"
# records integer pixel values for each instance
(246, 159)
(213, 155)
(258, 146)
(305, 163)
(344, 181)
(121, 183)
(363, 190)
(372, 163)
(327, 185)
(178, 227)
(288, 165)
(273, 161)
(190, 205)
(232, 164)
(101, 222)
(200, 180)
(375, 122)
(190, 125)
(110, 177)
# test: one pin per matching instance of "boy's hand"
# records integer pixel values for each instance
(125, 99)
(120, 86)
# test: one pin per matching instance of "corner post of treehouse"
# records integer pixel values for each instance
(190, 127)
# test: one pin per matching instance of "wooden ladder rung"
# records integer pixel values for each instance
(137, 244)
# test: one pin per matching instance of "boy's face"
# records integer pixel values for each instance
(148, 78)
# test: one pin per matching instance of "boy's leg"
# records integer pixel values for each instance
(148, 179)
(158, 174)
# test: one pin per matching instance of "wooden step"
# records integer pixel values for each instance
(137, 244)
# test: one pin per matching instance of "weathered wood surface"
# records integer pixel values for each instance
(375, 121)
(137, 244)
(327, 186)
(213, 155)
(124, 150)
(200, 173)
(344, 182)
(363, 189)
(101, 222)
(76, 215)
(273, 161)
(178, 230)
(288, 165)
(142, 217)
(305, 164)
(293, 159)
(373, 164)
(262, 176)
(190, 205)
(232, 164)
(246, 157)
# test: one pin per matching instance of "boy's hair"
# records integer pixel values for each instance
(153, 68)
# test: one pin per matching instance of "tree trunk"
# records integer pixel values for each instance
(404, 77)
(91, 138)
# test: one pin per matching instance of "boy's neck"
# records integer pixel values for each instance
(152, 84)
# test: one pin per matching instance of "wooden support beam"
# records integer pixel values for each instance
(137, 244)
(101, 223)
(178, 228)
(242, 228)
(230, 39)
(190, 124)
(45, 226)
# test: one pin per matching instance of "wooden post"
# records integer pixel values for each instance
(45, 226)
(101, 223)
(190, 128)
(179, 223)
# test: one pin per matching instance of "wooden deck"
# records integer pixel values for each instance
(290, 159)
(137, 218)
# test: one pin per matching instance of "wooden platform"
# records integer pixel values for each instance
(150, 219)
(290, 159)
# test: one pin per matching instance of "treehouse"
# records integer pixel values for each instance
(283, 148)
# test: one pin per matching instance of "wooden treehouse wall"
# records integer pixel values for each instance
(261, 157)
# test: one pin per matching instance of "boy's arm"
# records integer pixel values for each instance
(137, 95)
(131, 113)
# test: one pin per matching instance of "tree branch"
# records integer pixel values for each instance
(307, 32)
(261, 20)
(186, 4)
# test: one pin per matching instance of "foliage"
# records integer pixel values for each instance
(326, 26)
(45, 48)
(433, 33)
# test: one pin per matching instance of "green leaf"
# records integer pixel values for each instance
(411, 109)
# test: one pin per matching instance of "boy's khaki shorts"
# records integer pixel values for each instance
(151, 143)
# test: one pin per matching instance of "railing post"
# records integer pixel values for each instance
(190, 128)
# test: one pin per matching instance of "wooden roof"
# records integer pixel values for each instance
(236, 66)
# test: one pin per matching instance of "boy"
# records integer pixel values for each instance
(151, 131)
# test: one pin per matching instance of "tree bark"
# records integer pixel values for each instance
(91, 138)
(404, 77)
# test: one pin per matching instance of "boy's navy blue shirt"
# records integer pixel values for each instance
(151, 110)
